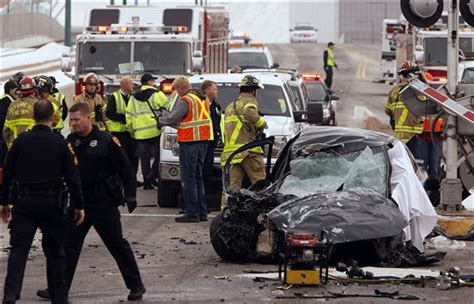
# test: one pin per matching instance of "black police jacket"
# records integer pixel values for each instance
(101, 156)
(40, 158)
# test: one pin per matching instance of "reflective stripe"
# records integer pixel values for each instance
(194, 123)
(260, 122)
(197, 124)
(9, 97)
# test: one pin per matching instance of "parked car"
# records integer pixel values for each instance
(277, 106)
(358, 186)
(319, 93)
(303, 33)
(250, 55)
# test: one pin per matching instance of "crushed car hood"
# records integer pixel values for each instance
(345, 216)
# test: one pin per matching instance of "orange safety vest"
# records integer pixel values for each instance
(197, 124)
(427, 125)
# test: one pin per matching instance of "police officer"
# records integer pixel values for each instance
(20, 113)
(95, 101)
(194, 133)
(11, 88)
(242, 124)
(61, 102)
(36, 165)
(117, 123)
(329, 64)
(104, 168)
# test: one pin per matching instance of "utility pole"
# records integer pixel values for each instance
(451, 187)
(112, 2)
(67, 24)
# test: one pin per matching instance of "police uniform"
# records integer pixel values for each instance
(101, 162)
(36, 165)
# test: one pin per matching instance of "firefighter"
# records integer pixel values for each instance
(95, 101)
(242, 125)
(405, 124)
(63, 108)
(35, 168)
(44, 90)
(329, 64)
(194, 132)
(108, 181)
(141, 123)
(20, 113)
(116, 119)
(11, 94)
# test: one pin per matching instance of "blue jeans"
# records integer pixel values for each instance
(191, 161)
(423, 149)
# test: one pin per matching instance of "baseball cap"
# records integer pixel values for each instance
(147, 77)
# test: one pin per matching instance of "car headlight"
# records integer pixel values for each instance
(278, 145)
(171, 143)
(326, 113)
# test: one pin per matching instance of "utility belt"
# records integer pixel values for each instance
(56, 190)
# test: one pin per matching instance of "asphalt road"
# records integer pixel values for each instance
(177, 262)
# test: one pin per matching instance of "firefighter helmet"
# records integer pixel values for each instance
(44, 84)
(406, 67)
(251, 82)
(27, 85)
(91, 78)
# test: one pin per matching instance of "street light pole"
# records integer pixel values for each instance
(67, 24)
(451, 187)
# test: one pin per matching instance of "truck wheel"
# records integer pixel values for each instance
(168, 193)
(222, 250)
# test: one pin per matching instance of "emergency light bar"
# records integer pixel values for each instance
(238, 45)
(135, 29)
(314, 77)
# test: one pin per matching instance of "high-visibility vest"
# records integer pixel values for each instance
(233, 127)
(141, 122)
(19, 119)
(330, 61)
(9, 97)
(427, 122)
(120, 105)
(197, 125)
(59, 97)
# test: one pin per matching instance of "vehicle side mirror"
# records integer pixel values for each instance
(275, 66)
(197, 61)
(314, 114)
(335, 97)
(66, 63)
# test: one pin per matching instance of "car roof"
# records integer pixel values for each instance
(467, 64)
(248, 50)
(235, 78)
(287, 74)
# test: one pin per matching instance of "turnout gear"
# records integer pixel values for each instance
(197, 124)
(97, 105)
(91, 78)
(60, 103)
(141, 110)
(19, 118)
(242, 124)
(406, 67)
(405, 124)
(44, 84)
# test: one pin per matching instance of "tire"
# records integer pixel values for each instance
(217, 243)
(169, 197)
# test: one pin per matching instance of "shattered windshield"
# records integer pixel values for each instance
(330, 171)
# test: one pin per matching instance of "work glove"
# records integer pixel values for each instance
(131, 204)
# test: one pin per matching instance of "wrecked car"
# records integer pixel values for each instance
(358, 187)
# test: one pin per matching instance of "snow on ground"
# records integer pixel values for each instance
(18, 58)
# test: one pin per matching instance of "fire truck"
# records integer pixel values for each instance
(121, 41)
(391, 28)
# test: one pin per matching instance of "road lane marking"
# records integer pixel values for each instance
(155, 215)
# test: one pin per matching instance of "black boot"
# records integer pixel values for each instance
(43, 293)
(136, 294)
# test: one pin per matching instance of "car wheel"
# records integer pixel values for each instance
(168, 193)
(217, 241)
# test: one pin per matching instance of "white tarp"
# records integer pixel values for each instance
(411, 198)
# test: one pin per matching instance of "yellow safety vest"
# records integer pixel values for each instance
(59, 97)
(231, 142)
(9, 97)
(141, 122)
(117, 126)
(330, 61)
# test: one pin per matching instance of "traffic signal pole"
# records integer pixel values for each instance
(67, 24)
(451, 186)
